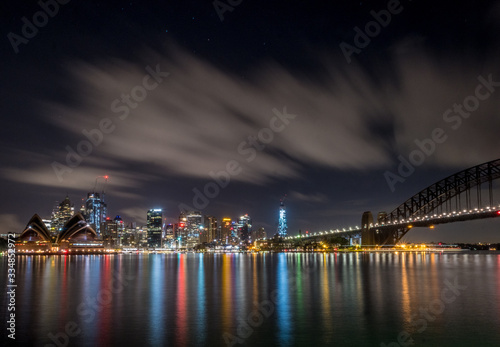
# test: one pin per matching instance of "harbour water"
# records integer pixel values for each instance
(270, 299)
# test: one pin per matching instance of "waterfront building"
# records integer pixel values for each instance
(168, 235)
(258, 234)
(194, 228)
(189, 228)
(120, 228)
(129, 237)
(154, 225)
(225, 231)
(110, 233)
(245, 228)
(95, 211)
(209, 230)
(76, 236)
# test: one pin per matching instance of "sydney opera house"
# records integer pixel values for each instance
(76, 236)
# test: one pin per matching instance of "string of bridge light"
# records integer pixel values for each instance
(402, 221)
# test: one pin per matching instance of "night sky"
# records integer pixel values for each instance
(215, 87)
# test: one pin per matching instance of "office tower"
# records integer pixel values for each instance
(182, 225)
(129, 237)
(154, 226)
(142, 236)
(225, 232)
(179, 234)
(61, 214)
(190, 227)
(169, 231)
(109, 229)
(218, 233)
(168, 235)
(234, 239)
(210, 229)
(95, 211)
(194, 221)
(259, 234)
(120, 226)
(178, 230)
(245, 228)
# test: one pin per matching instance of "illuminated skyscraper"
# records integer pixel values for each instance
(225, 230)
(189, 228)
(154, 225)
(258, 234)
(194, 222)
(210, 229)
(182, 226)
(120, 228)
(109, 230)
(95, 211)
(168, 235)
(245, 228)
(61, 215)
(282, 224)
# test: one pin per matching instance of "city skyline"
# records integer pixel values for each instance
(67, 204)
(182, 105)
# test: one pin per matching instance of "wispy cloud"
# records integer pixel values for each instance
(316, 197)
(194, 121)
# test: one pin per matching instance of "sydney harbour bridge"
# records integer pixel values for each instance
(465, 195)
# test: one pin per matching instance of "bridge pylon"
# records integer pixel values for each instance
(367, 234)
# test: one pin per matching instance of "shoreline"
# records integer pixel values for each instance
(444, 250)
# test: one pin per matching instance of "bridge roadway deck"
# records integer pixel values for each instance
(412, 223)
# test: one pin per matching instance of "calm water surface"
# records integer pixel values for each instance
(369, 299)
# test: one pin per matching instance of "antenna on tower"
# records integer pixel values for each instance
(282, 200)
(104, 184)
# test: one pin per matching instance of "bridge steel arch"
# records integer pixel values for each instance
(444, 191)
(419, 210)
